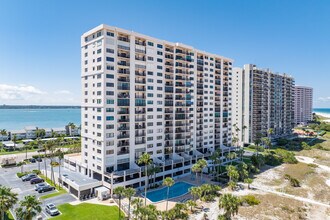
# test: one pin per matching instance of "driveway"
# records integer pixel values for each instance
(8, 178)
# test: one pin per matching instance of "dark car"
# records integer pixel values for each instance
(32, 160)
(39, 185)
(29, 177)
(39, 159)
(45, 189)
(36, 180)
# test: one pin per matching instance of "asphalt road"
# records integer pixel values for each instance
(8, 178)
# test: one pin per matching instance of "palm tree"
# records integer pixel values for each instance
(192, 204)
(137, 203)
(232, 173)
(215, 158)
(270, 132)
(7, 200)
(129, 193)
(14, 140)
(29, 208)
(248, 181)
(168, 182)
(120, 192)
(202, 164)
(146, 160)
(196, 169)
(3, 133)
(231, 156)
(195, 192)
(60, 155)
(230, 204)
(50, 146)
(40, 133)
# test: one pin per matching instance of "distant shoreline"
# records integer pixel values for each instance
(39, 107)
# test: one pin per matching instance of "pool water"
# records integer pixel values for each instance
(178, 189)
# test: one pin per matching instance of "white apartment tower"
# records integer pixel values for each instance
(142, 94)
(267, 103)
(303, 104)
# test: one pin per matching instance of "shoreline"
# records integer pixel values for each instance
(325, 115)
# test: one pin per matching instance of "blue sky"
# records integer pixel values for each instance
(40, 40)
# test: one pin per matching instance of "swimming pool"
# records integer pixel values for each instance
(178, 189)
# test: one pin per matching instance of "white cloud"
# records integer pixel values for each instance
(27, 94)
(324, 99)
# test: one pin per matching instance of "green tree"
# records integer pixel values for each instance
(168, 182)
(231, 156)
(196, 169)
(129, 193)
(7, 200)
(202, 164)
(3, 133)
(192, 204)
(137, 203)
(232, 173)
(14, 139)
(120, 192)
(230, 204)
(40, 133)
(50, 147)
(60, 156)
(248, 181)
(29, 208)
(243, 171)
(146, 160)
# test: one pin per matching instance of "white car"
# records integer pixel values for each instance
(39, 185)
(51, 209)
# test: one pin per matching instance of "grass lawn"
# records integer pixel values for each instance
(86, 211)
(4, 152)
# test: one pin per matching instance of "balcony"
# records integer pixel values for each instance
(123, 38)
(123, 143)
(140, 111)
(140, 73)
(123, 119)
(123, 111)
(140, 134)
(123, 128)
(123, 63)
(123, 150)
(139, 119)
(123, 135)
(140, 81)
(123, 55)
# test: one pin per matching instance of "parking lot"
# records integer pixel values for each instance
(8, 178)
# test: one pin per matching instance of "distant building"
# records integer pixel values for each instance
(267, 103)
(303, 111)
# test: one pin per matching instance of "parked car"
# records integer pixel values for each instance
(39, 159)
(51, 209)
(45, 189)
(36, 180)
(39, 185)
(32, 160)
(28, 177)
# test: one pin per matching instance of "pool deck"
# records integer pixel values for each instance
(161, 206)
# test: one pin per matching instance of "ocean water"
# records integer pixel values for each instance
(322, 111)
(16, 119)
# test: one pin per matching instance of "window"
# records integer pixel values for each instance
(159, 67)
(110, 101)
(99, 67)
(150, 58)
(150, 44)
(159, 46)
(99, 59)
(110, 118)
(111, 34)
(110, 76)
(110, 84)
(150, 73)
(108, 50)
(159, 53)
(99, 51)
(159, 60)
(109, 92)
(110, 59)
(109, 67)
(159, 74)
(109, 109)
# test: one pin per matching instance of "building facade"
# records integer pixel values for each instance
(142, 94)
(267, 103)
(303, 111)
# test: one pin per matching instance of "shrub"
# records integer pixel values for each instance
(287, 156)
(305, 146)
(313, 165)
(273, 160)
(293, 181)
(19, 174)
(250, 200)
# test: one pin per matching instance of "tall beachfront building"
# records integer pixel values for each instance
(141, 94)
(267, 103)
(303, 104)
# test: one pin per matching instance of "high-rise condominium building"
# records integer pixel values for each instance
(303, 104)
(267, 103)
(142, 94)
